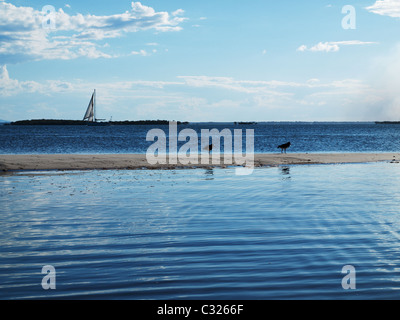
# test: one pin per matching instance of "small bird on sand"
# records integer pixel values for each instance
(209, 148)
(283, 147)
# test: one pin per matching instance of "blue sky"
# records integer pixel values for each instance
(200, 60)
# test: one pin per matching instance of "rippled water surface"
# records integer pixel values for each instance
(280, 233)
(305, 137)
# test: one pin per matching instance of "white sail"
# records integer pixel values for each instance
(89, 115)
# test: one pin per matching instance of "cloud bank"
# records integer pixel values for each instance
(205, 97)
(29, 34)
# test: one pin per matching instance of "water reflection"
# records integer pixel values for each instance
(114, 237)
(209, 174)
(285, 172)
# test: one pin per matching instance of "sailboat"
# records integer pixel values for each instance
(90, 115)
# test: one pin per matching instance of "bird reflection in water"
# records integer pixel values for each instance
(209, 174)
(285, 172)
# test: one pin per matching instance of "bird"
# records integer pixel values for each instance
(283, 147)
(209, 148)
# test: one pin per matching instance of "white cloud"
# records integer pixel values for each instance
(24, 36)
(7, 86)
(302, 48)
(326, 46)
(224, 83)
(178, 12)
(313, 81)
(142, 53)
(266, 87)
(332, 46)
(389, 8)
(12, 87)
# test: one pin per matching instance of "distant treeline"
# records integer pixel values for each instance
(84, 123)
(241, 123)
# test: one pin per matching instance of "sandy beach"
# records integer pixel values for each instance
(138, 161)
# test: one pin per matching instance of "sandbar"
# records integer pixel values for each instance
(19, 162)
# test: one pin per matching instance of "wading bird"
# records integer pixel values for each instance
(283, 147)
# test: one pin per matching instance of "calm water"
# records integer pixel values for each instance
(305, 137)
(281, 233)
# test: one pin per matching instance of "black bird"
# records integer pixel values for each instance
(284, 146)
(209, 148)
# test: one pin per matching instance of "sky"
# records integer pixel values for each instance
(186, 60)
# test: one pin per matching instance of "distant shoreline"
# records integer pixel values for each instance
(58, 122)
(138, 161)
(46, 122)
(387, 122)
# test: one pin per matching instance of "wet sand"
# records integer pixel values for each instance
(139, 161)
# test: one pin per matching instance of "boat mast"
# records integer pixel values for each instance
(94, 106)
